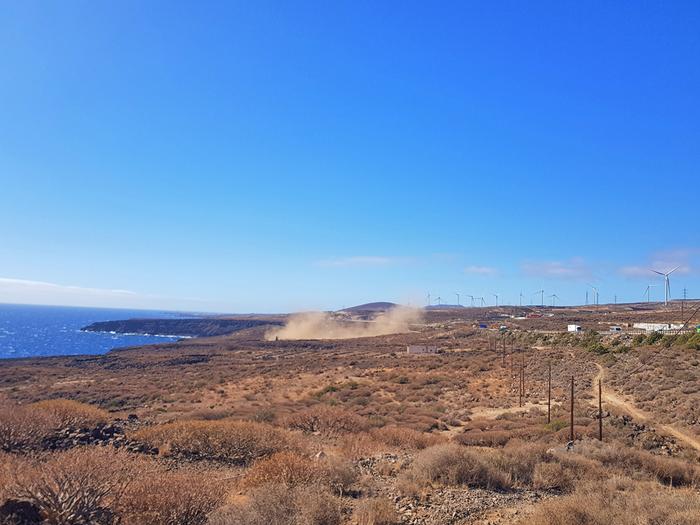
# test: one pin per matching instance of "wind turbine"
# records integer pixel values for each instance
(595, 294)
(667, 283)
(554, 298)
(496, 296)
(541, 292)
(521, 297)
(648, 290)
(472, 298)
(429, 303)
(457, 299)
(439, 300)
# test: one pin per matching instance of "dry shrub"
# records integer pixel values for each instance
(284, 468)
(376, 511)
(452, 464)
(238, 442)
(619, 501)
(291, 470)
(171, 498)
(327, 420)
(71, 414)
(79, 487)
(282, 505)
(517, 461)
(552, 476)
(488, 438)
(23, 429)
(405, 438)
(631, 462)
(361, 445)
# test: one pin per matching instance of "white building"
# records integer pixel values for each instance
(657, 327)
(421, 349)
(574, 328)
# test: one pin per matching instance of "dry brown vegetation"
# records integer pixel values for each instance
(240, 430)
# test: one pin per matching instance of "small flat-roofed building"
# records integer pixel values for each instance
(421, 349)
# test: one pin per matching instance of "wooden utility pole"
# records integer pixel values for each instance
(549, 394)
(504, 349)
(571, 432)
(522, 372)
(600, 411)
(520, 382)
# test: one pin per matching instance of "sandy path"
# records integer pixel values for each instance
(616, 400)
(492, 413)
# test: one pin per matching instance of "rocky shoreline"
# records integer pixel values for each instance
(191, 327)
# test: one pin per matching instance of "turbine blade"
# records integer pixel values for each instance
(669, 273)
(660, 273)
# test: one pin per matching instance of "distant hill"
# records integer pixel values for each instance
(371, 307)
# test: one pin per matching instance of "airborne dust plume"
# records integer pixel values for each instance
(320, 325)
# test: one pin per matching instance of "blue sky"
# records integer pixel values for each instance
(276, 156)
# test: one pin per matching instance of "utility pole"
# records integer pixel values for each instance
(571, 418)
(504, 348)
(685, 296)
(520, 383)
(600, 411)
(549, 394)
(522, 374)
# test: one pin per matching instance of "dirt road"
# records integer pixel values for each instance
(612, 398)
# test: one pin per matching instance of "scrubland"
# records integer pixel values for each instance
(241, 430)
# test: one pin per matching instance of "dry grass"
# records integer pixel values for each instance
(292, 470)
(376, 511)
(71, 414)
(282, 505)
(327, 420)
(622, 502)
(236, 442)
(405, 438)
(81, 486)
(159, 497)
(23, 429)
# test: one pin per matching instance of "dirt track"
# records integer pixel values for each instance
(614, 399)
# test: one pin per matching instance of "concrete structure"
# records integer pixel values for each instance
(573, 328)
(421, 349)
(657, 327)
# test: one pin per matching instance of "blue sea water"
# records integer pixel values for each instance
(28, 330)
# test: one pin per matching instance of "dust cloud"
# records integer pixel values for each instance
(320, 325)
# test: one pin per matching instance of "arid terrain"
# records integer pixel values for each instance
(253, 428)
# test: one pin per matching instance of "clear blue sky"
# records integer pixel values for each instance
(274, 156)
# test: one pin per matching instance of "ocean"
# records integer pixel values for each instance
(29, 331)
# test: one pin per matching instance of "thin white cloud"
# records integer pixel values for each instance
(573, 269)
(480, 270)
(356, 261)
(681, 258)
(26, 291)
(53, 287)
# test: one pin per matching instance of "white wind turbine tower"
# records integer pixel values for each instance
(595, 294)
(472, 298)
(458, 303)
(667, 283)
(521, 297)
(554, 298)
(648, 290)
(541, 292)
(496, 296)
